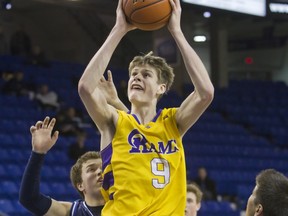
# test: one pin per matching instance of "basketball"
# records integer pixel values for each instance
(147, 15)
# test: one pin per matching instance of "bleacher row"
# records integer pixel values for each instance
(228, 139)
(250, 134)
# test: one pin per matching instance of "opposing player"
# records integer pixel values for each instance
(270, 195)
(85, 176)
(194, 198)
(142, 152)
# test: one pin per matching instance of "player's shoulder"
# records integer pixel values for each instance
(76, 205)
(77, 202)
(169, 111)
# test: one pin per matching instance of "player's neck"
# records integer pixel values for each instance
(98, 201)
(144, 113)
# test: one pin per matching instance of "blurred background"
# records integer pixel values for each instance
(46, 44)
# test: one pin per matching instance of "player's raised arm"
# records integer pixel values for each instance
(88, 88)
(196, 103)
(29, 195)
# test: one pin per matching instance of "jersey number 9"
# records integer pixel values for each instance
(161, 169)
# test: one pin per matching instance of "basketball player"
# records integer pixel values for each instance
(194, 198)
(270, 195)
(85, 176)
(142, 152)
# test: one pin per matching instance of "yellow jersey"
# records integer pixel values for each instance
(144, 168)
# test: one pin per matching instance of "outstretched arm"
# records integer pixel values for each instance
(110, 92)
(88, 86)
(29, 194)
(196, 103)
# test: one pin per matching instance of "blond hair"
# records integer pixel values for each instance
(193, 188)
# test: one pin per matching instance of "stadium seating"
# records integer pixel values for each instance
(243, 132)
(6, 206)
(209, 208)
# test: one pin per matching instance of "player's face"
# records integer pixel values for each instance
(91, 176)
(143, 86)
(191, 205)
(252, 209)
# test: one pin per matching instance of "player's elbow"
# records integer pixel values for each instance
(208, 95)
(25, 201)
(39, 205)
(22, 200)
(83, 89)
